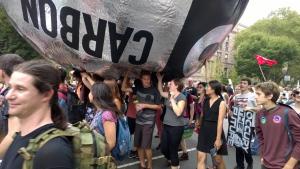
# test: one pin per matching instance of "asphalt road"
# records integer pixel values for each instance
(159, 162)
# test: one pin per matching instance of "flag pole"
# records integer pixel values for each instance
(262, 72)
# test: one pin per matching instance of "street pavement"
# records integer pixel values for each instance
(159, 162)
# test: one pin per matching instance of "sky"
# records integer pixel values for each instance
(259, 9)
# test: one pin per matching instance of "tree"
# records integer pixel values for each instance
(276, 37)
(12, 42)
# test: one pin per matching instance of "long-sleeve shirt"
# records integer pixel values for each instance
(273, 136)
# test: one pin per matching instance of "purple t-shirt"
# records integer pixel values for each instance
(100, 118)
(273, 137)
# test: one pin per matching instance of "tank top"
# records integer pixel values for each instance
(211, 114)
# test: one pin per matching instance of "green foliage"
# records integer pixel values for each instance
(12, 42)
(234, 76)
(276, 37)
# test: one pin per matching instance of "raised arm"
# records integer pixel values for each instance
(159, 86)
(87, 80)
(125, 87)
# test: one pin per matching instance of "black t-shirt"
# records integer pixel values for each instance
(149, 96)
(55, 154)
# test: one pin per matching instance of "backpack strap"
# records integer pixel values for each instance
(290, 137)
(4, 91)
(93, 158)
(83, 154)
(35, 144)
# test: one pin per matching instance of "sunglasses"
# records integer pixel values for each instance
(296, 94)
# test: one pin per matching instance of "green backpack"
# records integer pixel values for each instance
(89, 147)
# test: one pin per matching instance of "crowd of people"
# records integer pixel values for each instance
(37, 96)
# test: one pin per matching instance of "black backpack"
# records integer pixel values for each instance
(76, 109)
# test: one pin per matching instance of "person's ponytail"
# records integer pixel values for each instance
(57, 115)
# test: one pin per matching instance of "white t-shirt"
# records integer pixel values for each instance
(246, 100)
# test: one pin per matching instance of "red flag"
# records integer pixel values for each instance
(264, 61)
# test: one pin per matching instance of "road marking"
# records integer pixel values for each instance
(154, 158)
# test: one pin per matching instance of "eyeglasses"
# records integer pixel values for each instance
(296, 94)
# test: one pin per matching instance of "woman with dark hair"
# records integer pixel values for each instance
(115, 91)
(173, 120)
(201, 95)
(111, 83)
(63, 92)
(211, 137)
(105, 119)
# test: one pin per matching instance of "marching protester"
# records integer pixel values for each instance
(237, 90)
(115, 91)
(131, 116)
(78, 102)
(81, 89)
(292, 97)
(173, 121)
(190, 93)
(8, 125)
(199, 104)
(282, 151)
(296, 98)
(225, 94)
(33, 100)
(211, 138)
(162, 114)
(63, 92)
(147, 104)
(245, 100)
(190, 88)
(107, 112)
(200, 99)
(111, 83)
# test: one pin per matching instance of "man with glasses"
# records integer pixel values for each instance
(296, 98)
